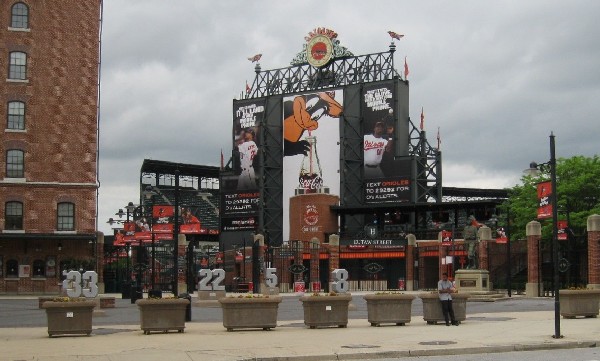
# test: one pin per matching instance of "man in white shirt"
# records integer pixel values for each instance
(247, 151)
(374, 146)
(445, 291)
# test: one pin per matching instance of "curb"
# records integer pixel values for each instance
(425, 352)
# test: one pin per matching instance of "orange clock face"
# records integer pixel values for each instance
(319, 50)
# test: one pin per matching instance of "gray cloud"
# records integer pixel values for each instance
(495, 77)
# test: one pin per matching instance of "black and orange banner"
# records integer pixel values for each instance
(562, 230)
(162, 225)
(544, 194)
(447, 238)
(501, 236)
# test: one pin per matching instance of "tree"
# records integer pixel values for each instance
(578, 189)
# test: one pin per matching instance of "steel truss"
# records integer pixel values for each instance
(351, 73)
(340, 72)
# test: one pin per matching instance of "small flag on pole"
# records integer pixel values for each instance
(422, 119)
(255, 58)
(439, 140)
(405, 69)
(248, 89)
(395, 35)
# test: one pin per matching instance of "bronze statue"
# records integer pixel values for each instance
(472, 241)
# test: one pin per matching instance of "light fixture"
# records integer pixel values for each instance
(120, 213)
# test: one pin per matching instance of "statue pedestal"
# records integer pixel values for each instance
(472, 280)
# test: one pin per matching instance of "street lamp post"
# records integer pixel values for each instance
(149, 194)
(508, 264)
(176, 237)
(534, 170)
(130, 209)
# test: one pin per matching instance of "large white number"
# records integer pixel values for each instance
(271, 277)
(218, 278)
(78, 285)
(214, 277)
(204, 279)
(72, 283)
(91, 278)
(340, 283)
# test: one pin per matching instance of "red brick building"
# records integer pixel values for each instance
(50, 57)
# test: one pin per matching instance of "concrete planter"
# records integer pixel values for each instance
(389, 308)
(583, 303)
(432, 307)
(324, 311)
(246, 312)
(69, 318)
(163, 314)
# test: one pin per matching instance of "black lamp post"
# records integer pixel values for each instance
(149, 194)
(508, 263)
(176, 237)
(534, 169)
(129, 211)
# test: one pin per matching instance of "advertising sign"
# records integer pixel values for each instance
(447, 238)
(311, 132)
(386, 179)
(501, 236)
(240, 194)
(562, 230)
(544, 194)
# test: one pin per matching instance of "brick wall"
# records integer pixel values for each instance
(60, 137)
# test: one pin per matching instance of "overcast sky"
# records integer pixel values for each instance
(495, 76)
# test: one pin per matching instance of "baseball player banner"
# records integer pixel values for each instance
(311, 132)
(240, 194)
(247, 115)
(385, 178)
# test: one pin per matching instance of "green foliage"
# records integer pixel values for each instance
(87, 264)
(578, 189)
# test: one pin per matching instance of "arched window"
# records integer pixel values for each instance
(12, 268)
(16, 116)
(39, 268)
(65, 217)
(13, 216)
(18, 66)
(15, 163)
(19, 16)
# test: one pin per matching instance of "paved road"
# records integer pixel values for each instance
(24, 312)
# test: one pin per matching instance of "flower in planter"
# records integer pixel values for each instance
(320, 294)
(389, 293)
(250, 295)
(69, 299)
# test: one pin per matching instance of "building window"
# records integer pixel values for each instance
(12, 268)
(39, 268)
(66, 217)
(13, 215)
(15, 163)
(18, 66)
(19, 16)
(16, 115)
